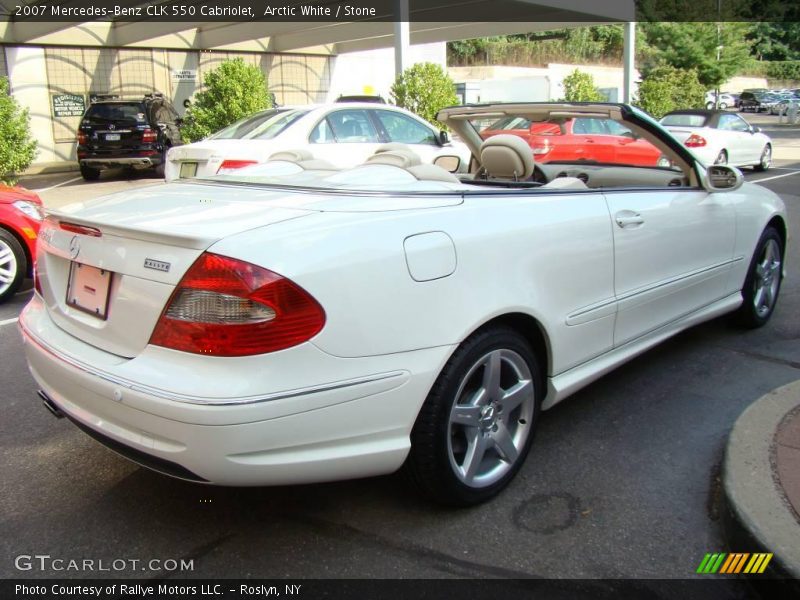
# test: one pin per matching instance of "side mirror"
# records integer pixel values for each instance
(722, 178)
(754, 129)
(448, 163)
(444, 138)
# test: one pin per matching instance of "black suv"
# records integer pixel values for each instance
(127, 133)
(752, 99)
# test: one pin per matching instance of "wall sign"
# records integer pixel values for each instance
(184, 75)
(68, 105)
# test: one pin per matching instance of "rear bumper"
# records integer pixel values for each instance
(350, 428)
(140, 162)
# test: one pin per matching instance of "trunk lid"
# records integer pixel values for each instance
(145, 240)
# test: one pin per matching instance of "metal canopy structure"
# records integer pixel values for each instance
(294, 36)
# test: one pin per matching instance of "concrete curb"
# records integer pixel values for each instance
(756, 503)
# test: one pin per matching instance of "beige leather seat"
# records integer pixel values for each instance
(303, 159)
(507, 157)
(396, 155)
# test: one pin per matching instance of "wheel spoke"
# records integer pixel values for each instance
(469, 416)
(505, 444)
(760, 271)
(491, 375)
(5, 254)
(6, 275)
(758, 300)
(768, 297)
(477, 444)
(516, 395)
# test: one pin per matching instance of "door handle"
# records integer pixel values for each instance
(627, 218)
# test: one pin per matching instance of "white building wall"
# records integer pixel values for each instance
(27, 75)
(372, 71)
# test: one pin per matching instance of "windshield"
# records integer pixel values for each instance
(275, 124)
(245, 125)
(685, 120)
(117, 112)
(590, 139)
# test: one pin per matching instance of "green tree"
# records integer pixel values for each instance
(666, 89)
(579, 87)
(717, 51)
(17, 149)
(424, 89)
(231, 91)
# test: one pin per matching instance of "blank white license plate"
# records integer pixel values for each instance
(112, 137)
(188, 169)
(87, 289)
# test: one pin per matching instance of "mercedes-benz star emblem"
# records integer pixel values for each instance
(74, 247)
(112, 126)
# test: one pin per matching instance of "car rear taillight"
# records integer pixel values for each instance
(695, 141)
(82, 139)
(81, 229)
(229, 165)
(228, 307)
(541, 147)
(149, 136)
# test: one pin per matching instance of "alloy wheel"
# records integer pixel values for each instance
(8, 266)
(491, 419)
(767, 278)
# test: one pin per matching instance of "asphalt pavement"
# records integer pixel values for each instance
(623, 480)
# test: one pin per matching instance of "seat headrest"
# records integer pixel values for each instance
(292, 155)
(507, 157)
(397, 158)
(391, 147)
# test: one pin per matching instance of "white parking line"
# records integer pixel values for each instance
(774, 177)
(52, 187)
(9, 321)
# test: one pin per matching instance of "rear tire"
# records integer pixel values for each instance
(476, 426)
(90, 174)
(159, 168)
(13, 265)
(763, 282)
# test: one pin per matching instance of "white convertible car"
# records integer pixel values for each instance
(294, 323)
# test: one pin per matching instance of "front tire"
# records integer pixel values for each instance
(476, 426)
(766, 159)
(13, 265)
(763, 282)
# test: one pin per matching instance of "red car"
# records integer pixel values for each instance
(20, 216)
(590, 139)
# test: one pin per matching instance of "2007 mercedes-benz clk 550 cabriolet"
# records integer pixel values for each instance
(294, 323)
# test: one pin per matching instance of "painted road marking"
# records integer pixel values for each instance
(774, 177)
(52, 187)
(9, 321)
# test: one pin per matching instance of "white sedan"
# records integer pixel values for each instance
(720, 138)
(290, 324)
(344, 134)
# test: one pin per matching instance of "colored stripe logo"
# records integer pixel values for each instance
(734, 563)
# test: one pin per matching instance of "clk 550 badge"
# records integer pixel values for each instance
(157, 265)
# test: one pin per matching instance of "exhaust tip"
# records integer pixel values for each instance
(50, 405)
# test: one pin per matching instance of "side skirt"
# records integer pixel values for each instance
(567, 383)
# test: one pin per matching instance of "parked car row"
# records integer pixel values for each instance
(770, 101)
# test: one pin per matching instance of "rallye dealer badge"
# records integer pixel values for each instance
(156, 265)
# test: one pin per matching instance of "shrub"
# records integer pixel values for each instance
(579, 87)
(784, 70)
(424, 89)
(17, 149)
(231, 91)
(666, 89)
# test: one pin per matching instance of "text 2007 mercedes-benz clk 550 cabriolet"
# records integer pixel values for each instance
(294, 323)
